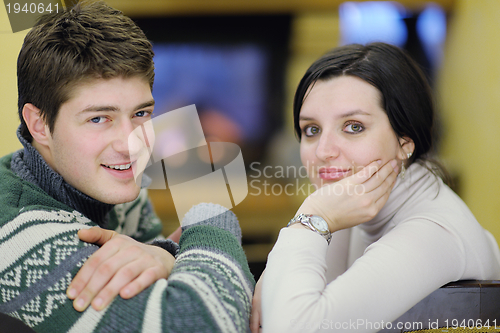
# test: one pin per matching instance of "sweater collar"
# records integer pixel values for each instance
(30, 166)
(419, 184)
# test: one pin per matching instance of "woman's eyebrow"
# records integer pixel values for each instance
(343, 115)
(354, 113)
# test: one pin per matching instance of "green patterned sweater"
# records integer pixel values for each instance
(209, 289)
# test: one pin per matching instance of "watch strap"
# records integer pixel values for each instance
(305, 220)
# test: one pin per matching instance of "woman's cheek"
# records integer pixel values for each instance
(307, 157)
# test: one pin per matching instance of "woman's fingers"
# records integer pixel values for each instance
(255, 317)
(367, 172)
(380, 186)
(385, 190)
(355, 199)
(378, 177)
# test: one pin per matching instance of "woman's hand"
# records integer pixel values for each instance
(355, 199)
(121, 266)
(255, 316)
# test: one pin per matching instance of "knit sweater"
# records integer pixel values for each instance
(209, 289)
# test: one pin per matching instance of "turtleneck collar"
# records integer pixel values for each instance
(419, 183)
(29, 165)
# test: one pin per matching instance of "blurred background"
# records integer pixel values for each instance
(240, 62)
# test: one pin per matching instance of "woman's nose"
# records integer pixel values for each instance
(327, 148)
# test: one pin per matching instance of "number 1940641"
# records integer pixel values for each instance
(471, 323)
(32, 8)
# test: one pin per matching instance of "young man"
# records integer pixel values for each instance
(85, 77)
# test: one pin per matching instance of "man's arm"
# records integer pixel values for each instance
(123, 266)
(209, 289)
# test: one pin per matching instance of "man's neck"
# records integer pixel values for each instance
(44, 152)
(30, 165)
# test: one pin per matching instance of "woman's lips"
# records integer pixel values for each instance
(333, 173)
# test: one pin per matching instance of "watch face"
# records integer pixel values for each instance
(319, 223)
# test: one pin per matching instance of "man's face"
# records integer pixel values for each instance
(89, 144)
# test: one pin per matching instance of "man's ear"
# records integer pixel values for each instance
(36, 125)
(407, 147)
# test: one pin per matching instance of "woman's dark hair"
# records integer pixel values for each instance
(406, 95)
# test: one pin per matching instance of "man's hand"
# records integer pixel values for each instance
(121, 266)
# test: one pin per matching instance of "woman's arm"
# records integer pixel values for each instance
(336, 257)
(395, 273)
(351, 201)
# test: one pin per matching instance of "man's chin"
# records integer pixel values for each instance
(118, 197)
(123, 199)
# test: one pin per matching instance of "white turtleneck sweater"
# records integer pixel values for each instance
(369, 275)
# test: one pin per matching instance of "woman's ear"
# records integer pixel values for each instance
(36, 125)
(407, 147)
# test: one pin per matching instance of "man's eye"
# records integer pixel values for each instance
(142, 113)
(354, 128)
(311, 130)
(98, 120)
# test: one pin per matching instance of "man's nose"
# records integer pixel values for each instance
(126, 139)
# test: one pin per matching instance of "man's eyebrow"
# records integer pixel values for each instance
(93, 108)
(145, 105)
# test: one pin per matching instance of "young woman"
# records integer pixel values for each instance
(358, 107)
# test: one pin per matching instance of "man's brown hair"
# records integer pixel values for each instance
(66, 49)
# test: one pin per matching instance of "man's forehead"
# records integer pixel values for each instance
(86, 83)
(93, 94)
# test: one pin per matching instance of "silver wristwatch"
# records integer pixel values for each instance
(314, 223)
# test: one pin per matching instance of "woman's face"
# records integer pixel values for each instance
(344, 128)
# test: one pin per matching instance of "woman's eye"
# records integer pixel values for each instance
(98, 120)
(354, 128)
(311, 130)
